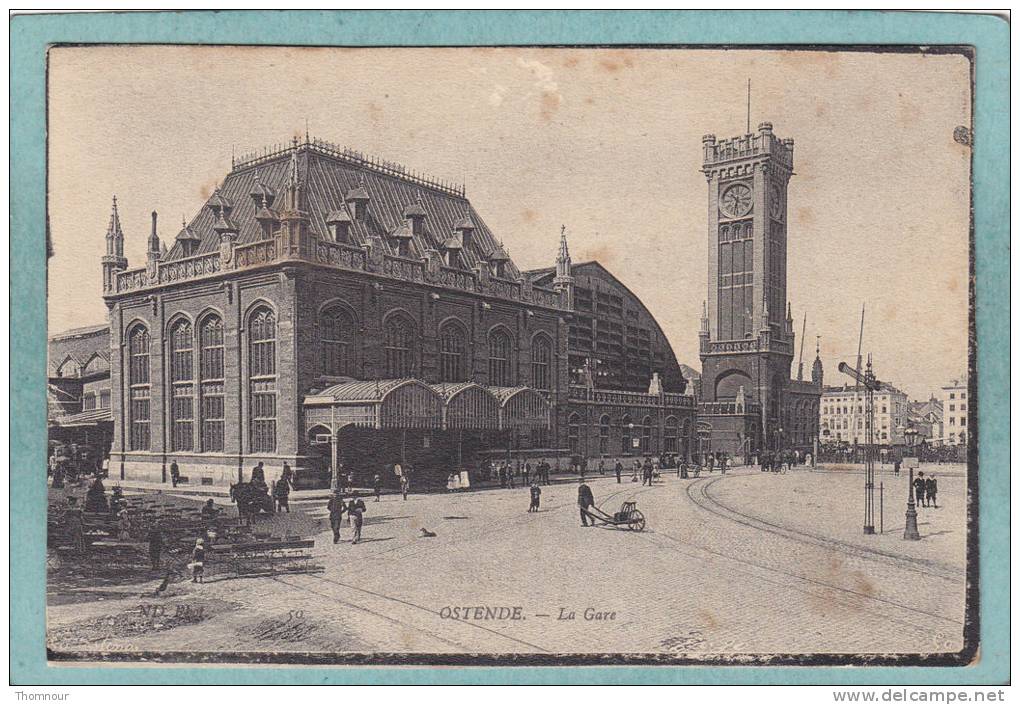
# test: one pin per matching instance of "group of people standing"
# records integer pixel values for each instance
(926, 490)
(355, 511)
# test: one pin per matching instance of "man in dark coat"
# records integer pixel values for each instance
(281, 493)
(618, 469)
(155, 539)
(919, 490)
(931, 488)
(175, 473)
(258, 477)
(336, 508)
(646, 473)
(585, 499)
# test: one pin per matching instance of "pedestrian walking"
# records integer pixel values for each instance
(377, 486)
(602, 466)
(403, 485)
(618, 469)
(356, 512)
(585, 499)
(288, 474)
(175, 473)
(896, 467)
(281, 493)
(536, 495)
(75, 521)
(198, 561)
(155, 538)
(919, 488)
(527, 472)
(646, 473)
(336, 508)
(931, 489)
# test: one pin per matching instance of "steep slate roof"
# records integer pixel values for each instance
(326, 180)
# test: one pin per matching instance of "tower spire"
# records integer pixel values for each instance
(816, 368)
(564, 279)
(563, 268)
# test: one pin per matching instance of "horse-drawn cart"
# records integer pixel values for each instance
(628, 517)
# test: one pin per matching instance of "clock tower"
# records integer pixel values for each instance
(746, 339)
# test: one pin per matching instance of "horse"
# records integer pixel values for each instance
(251, 500)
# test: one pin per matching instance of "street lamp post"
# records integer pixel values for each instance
(910, 532)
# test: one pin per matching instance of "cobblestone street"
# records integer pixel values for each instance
(746, 563)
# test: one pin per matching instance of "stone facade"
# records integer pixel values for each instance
(312, 267)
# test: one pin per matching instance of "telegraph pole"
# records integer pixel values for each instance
(870, 384)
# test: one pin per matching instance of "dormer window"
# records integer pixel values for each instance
(451, 252)
(357, 201)
(465, 229)
(498, 259)
(339, 224)
(414, 213)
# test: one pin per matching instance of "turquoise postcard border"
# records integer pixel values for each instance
(30, 36)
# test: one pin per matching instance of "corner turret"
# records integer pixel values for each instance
(563, 282)
(113, 261)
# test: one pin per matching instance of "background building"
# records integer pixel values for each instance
(843, 418)
(627, 391)
(749, 402)
(955, 412)
(78, 389)
(926, 418)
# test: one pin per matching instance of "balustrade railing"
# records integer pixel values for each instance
(340, 255)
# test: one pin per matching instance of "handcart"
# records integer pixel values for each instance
(628, 516)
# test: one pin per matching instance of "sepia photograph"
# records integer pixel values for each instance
(510, 356)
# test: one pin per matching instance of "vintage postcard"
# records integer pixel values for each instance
(511, 355)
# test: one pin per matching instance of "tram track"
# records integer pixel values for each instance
(698, 492)
(496, 527)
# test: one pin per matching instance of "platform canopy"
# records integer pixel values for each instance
(410, 403)
(93, 417)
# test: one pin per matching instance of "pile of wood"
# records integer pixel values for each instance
(233, 549)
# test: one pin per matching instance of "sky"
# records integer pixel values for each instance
(604, 141)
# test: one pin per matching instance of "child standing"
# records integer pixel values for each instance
(536, 494)
(198, 561)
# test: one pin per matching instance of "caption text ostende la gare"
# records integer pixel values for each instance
(516, 613)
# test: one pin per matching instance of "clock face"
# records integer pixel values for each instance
(736, 201)
(775, 201)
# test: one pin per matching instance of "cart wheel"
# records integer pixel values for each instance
(637, 521)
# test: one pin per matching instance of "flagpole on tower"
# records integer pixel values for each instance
(748, 106)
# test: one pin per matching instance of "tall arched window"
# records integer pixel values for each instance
(138, 387)
(262, 379)
(500, 359)
(336, 341)
(672, 433)
(210, 340)
(628, 432)
(452, 344)
(400, 344)
(541, 360)
(604, 435)
(646, 434)
(182, 388)
(574, 433)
